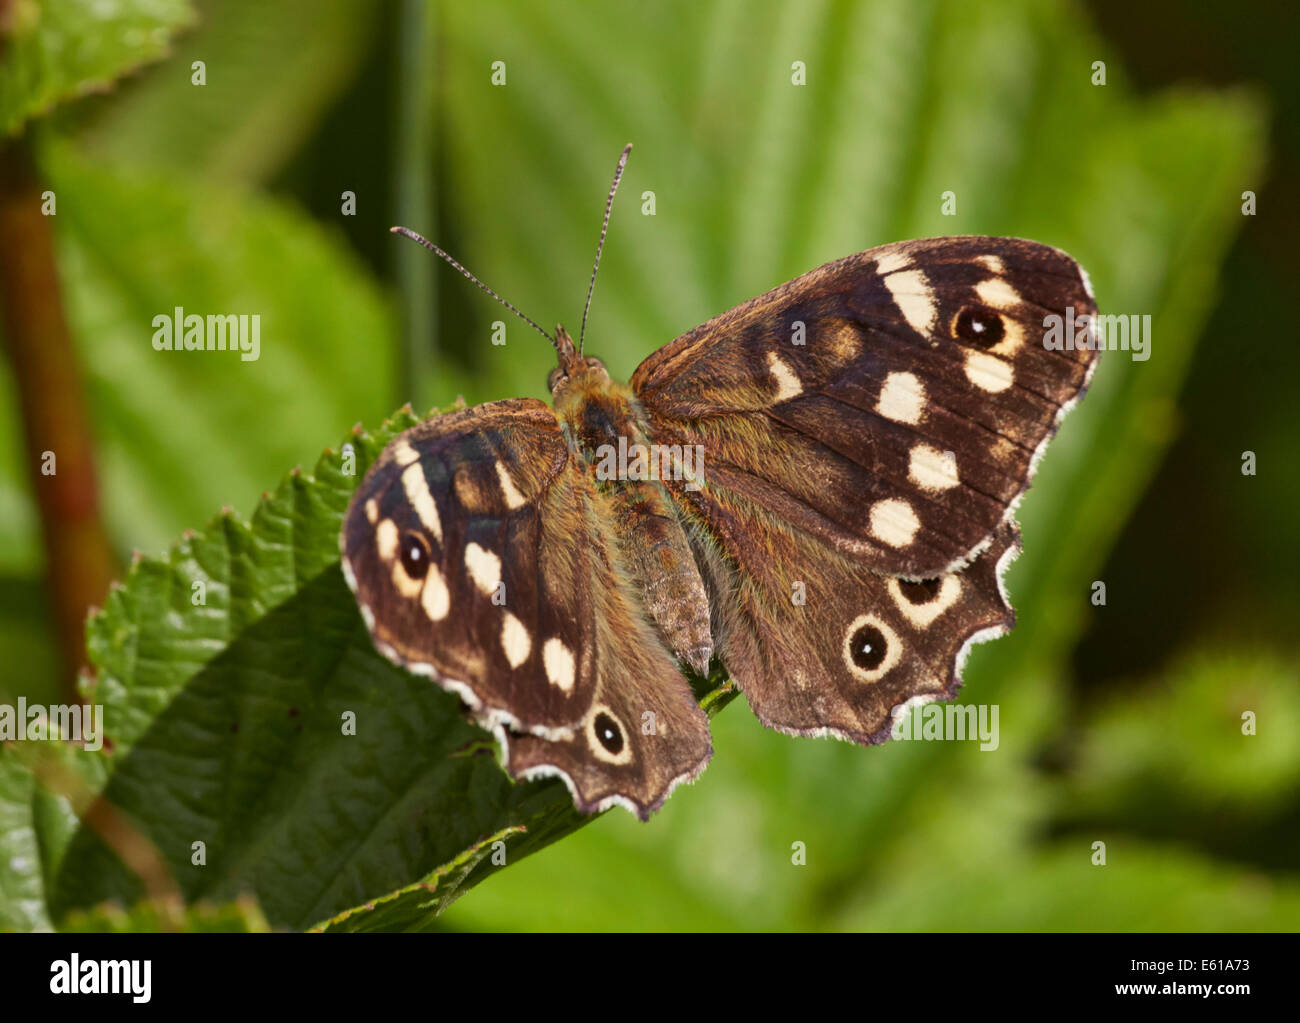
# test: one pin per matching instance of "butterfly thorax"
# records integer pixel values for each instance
(604, 427)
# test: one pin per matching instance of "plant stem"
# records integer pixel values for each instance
(58, 447)
(413, 169)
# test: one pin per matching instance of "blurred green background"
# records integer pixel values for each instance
(1120, 723)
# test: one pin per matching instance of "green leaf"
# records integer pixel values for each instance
(42, 786)
(22, 888)
(261, 746)
(229, 724)
(416, 906)
(52, 50)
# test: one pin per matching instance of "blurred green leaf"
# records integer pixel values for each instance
(238, 917)
(1142, 886)
(271, 70)
(52, 50)
(1185, 742)
(183, 433)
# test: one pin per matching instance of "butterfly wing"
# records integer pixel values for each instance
(643, 735)
(864, 433)
(893, 403)
(477, 550)
(820, 644)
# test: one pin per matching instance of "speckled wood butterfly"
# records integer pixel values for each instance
(860, 437)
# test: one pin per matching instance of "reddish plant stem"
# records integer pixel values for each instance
(79, 561)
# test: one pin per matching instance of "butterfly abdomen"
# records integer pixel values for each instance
(627, 468)
(657, 554)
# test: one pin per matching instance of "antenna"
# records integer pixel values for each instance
(408, 233)
(609, 205)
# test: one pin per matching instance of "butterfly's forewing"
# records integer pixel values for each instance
(454, 544)
(865, 432)
(479, 554)
(892, 403)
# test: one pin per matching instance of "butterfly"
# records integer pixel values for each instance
(815, 488)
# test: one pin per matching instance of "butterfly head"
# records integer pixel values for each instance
(575, 371)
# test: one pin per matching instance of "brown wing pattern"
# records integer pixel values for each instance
(820, 644)
(480, 558)
(892, 404)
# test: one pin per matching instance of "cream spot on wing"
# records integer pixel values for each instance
(877, 665)
(892, 263)
(484, 568)
(988, 372)
(993, 263)
(922, 615)
(997, 293)
(514, 640)
(403, 453)
(558, 662)
(435, 599)
(932, 469)
(902, 399)
(386, 539)
(787, 384)
(893, 522)
(514, 499)
(372, 511)
(912, 293)
(417, 492)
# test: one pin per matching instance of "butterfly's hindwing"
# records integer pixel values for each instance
(819, 644)
(643, 735)
(892, 403)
